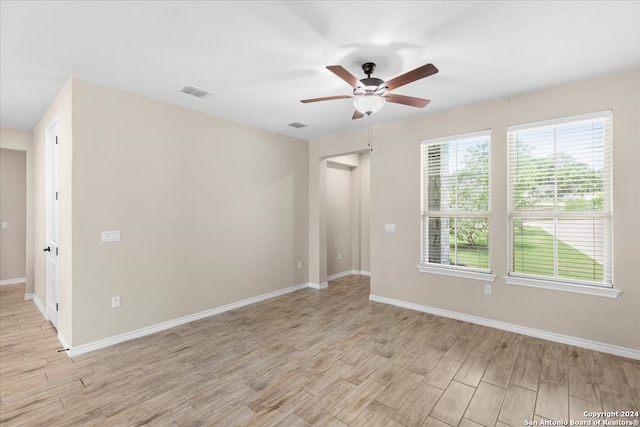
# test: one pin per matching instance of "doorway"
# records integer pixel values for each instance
(13, 216)
(347, 215)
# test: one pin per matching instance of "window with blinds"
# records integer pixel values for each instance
(559, 193)
(455, 202)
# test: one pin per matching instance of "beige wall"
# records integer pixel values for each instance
(339, 218)
(22, 140)
(395, 198)
(13, 213)
(210, 212)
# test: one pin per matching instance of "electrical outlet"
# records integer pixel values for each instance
(487, 289)
(299, 264)
(339, 255)
(115, 302)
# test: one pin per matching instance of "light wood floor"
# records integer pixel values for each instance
(312, 357)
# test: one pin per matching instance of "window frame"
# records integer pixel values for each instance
(604, 288)
(425, 214)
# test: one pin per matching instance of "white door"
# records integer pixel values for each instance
(53, 229)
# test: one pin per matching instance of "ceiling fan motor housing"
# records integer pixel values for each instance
(369, 84)
(368, 68)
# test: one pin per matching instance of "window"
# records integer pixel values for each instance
(455, 203)
(559, 192)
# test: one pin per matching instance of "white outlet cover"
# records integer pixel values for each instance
(390, 228)
(110, 236)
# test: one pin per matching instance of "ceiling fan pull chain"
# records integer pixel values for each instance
(370, 135)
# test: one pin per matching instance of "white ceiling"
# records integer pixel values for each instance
(260, 58)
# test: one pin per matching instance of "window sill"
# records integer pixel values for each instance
(487, 277)
(566, 287)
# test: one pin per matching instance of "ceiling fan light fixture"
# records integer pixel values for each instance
(369, 104)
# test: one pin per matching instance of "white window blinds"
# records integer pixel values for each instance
(559, 193)
(455, 201)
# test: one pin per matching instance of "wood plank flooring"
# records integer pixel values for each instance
(322, 358)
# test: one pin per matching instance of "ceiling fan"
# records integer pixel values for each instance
(371, 93)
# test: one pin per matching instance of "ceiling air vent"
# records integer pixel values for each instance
(298, 125)
(195, 91)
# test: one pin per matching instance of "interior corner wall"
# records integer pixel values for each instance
(210, 212)
(395, 198)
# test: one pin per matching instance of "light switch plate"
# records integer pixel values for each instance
(5, 225)
(390, 228)
(111, 236)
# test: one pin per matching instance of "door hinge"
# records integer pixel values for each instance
(56, 306)
(56, 139)
(56, 251)
(56, 195)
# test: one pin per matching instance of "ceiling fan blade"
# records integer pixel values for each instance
(326, 98)
(411, 76)
(357, 115)
(407, 100)
(339, 71)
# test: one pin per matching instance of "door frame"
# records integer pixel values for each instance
(52, 173)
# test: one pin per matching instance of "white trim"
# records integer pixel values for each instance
(458, 272)
(13, 281)
(347, 273)
(28, 296)
(96, 345)
(339, 275)
(322, 285)
(457, 137)
(537, 333)
(40, 306)
(606, 114)
(566, 287)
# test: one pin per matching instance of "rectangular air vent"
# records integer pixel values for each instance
(195, 91)
(298, 125)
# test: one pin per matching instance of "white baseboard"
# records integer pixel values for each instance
(13, 281)
(40, 306)
(323, 285)
(348, 273)
(537, 333)
(96, 345)
(339, 275)
(28, 297)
